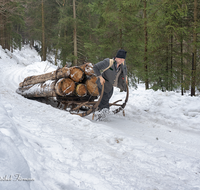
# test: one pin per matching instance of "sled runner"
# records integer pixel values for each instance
(72, 89)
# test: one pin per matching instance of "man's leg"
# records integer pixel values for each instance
(105, 99)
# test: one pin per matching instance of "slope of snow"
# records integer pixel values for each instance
(154, 147)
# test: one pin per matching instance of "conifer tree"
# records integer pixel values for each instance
(11, 22)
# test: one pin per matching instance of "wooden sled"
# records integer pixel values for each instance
(84, 108)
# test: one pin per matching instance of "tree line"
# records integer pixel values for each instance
(162, 38)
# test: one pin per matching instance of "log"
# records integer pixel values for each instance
(59, 73)
(45, 89)
(81, 90)
(92, 86)
(65, 87)
(76, 74)
(62, 82)
(88, 69)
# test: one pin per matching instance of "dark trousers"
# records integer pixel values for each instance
(105, 99)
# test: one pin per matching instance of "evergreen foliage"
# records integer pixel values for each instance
(162, 38)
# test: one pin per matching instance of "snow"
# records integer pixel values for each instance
(154, 147)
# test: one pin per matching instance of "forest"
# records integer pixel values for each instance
(161, 37)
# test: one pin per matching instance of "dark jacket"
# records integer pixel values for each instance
(110, 75)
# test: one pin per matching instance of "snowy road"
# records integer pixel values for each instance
(155, 147)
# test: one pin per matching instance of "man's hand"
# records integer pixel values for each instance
(102, 80)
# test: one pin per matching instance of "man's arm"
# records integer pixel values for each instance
(101, 66)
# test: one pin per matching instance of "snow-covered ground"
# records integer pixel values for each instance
(156, 146)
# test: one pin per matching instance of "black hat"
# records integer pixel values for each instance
(121, 54)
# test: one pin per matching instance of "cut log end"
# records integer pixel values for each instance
(81, 90)
(65, 87)
(92, 86)
(88, 69)
(76, 74)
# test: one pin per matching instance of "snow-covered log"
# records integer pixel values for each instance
(55, 75)
(44, 89)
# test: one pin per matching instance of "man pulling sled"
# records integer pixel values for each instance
(76, 88)
(114, 73)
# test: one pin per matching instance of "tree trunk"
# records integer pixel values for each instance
(7, 32)
(75, 35)
(171, 65)
(43, 35)
(194, 54)
(145, 48)
(182, 90)
(1, 30)
(167, 67)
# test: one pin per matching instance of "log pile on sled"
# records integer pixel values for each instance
(75, 82)
(74, 88)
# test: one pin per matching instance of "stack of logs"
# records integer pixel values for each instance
(77, 81)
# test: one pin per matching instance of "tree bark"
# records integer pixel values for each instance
(182, 64)
(145, 48)
(194, 54)
(45, 89)
(75, 35)
(60, 73)
(167, 68)
(1, 30)
(2, 23)
(171, 65)
(43, 35)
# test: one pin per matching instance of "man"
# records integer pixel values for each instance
(113, 75)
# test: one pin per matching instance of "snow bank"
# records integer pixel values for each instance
(15, 172)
